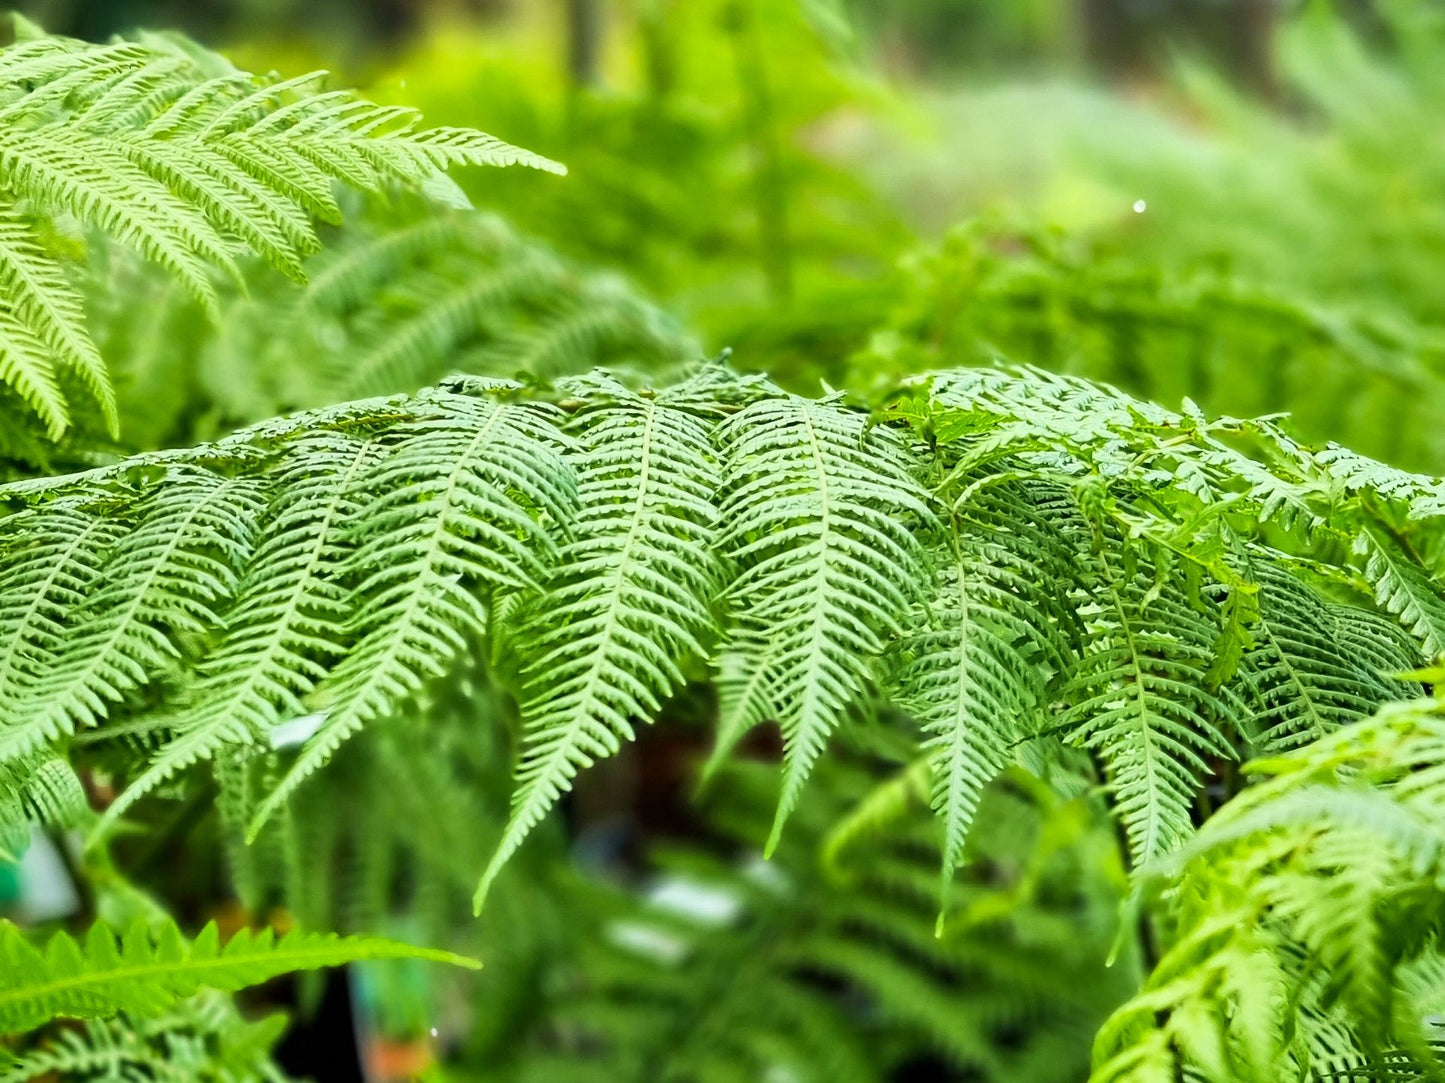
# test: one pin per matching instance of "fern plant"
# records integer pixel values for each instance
(1021, 560)
(185, 160)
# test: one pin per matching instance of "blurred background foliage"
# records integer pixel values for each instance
(1237, 201)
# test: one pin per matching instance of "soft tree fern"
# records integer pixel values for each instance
(187, 161)
(1151, 604)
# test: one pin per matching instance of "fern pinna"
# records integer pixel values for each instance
(1023, 562)
(177, 155)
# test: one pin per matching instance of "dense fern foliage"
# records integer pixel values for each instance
(185, 160)
(948, 726)
(202, 1040)
(1304, 921)
(1157, 596)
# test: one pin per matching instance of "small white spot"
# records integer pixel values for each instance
(433, 1032)
(1140, 206)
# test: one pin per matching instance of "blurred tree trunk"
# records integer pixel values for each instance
(584, 40)
(1126, 40)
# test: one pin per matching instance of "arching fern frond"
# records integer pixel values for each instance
(202, 1040)
(452, 518)
(1142, 697)
(187, 163)
(1304, 920)
(820, 513)
(1315, 665)
(170, 574)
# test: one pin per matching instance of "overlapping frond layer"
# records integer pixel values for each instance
(145, 971)
(187, 164)
(1031, 568)
(1303, 921)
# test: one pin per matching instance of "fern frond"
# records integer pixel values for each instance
(1301, 909)
(1141, 696)
(1316, 665)
(202, 1040)
(145, 972)
(973, 674)
(172, 571)
(820, 511)
(629, 603)
(1404, 588)
(43, 330)
(288, 618)
(1099, 582)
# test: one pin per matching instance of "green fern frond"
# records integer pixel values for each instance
(43, 330)
(171, 572)
(1300, 912)
(1404, 588)
(820, 514)
(287, 620)
(145, 972)
(202, 1040)
(401, 297)
(1316, 665)
(973, 676)
(628, 604)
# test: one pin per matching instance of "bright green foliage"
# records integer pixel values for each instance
(1302, 921)
(187, 161)
(629, 601)
(1150, 604)
(821, 539)
(146, 971)
(202, 1040)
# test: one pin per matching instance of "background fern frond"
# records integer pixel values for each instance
(204, 1039)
